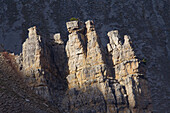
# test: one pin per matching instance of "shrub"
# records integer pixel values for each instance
(144, 61)
(74, 19)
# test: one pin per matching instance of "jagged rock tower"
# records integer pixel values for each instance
(81, 77)
(41, 71)
(91, 77)
(129, 72)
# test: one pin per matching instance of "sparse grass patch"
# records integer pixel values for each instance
(74, 19)
(143, 61)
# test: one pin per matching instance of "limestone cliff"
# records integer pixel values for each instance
(120, 87)
(42, 64)
(81, 76)
(129, 71)
(146, 21)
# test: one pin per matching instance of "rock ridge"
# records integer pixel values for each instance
(80, 76)
(88, 70)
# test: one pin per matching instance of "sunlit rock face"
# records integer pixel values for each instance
(129, 71)
(147, 22)
(125, 90)
(43, 65)
(80, 76)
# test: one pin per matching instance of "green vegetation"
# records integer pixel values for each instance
(144, 61)
(74, 19)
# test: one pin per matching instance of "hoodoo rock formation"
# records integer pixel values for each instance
(120, 87)
(81, 76)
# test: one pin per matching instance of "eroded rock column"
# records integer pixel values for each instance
(32, 67)
(87, 70)
(75, 53)
(38, 65)
(129, 72)
(59, 53)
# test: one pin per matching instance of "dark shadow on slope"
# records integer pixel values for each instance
(107, 58)
(15, 95)
(89, 100)
(55, 64)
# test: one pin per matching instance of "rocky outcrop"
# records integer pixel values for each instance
(146, 21)
(88, 71)
(41, 67)
(33, 62)
(81, 76)
(129, 72)
(59, 54)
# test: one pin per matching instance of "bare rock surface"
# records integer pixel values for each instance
(89, 72)
(129, 71)
(81, 75)
(147, 22)
(42, 68)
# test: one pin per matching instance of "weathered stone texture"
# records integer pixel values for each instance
(86, 68)
(73, 25)
(146, 21)
(122, 91)
(129, 72)
(43, 69)
(59, 54)
(80, 76)
(32, 67)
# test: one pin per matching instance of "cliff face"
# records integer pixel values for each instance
(146, 21)
(114, 85)
(81, 76)
(43, 65)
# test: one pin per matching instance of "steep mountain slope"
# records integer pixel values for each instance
(94, 81)
(15, 96)
(146, 21)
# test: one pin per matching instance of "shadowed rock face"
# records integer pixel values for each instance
(43, 65)
(97, 80)
(129, 70)
(145, 21)
(15, 95)
(126, 90)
